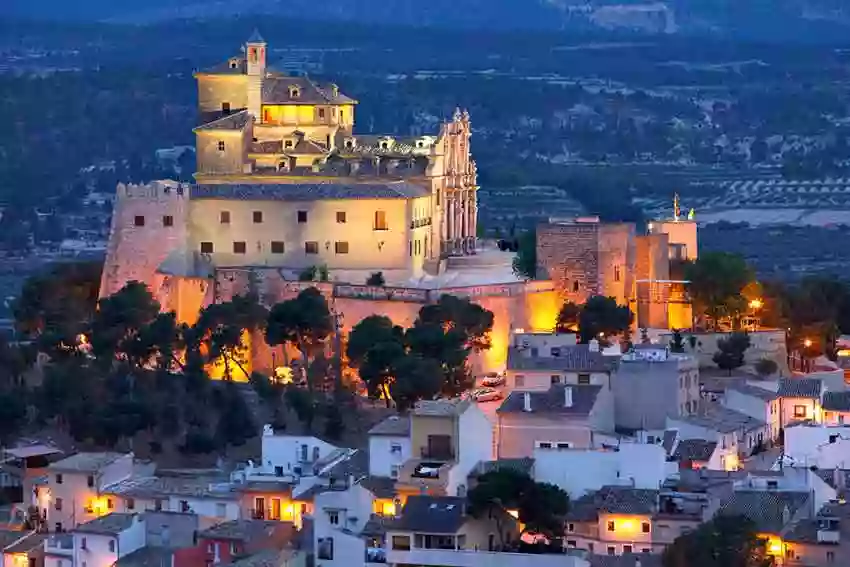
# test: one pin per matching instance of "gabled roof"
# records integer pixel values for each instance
(379, 486)
(721, 419)
(283, 89)
(236, 122)
(243, 530)
(770, 510)
(614, 500)
(111, 524)
(836, 401)
(85, 462)
(800, 388)
(394, 426)
(575, 358)
(694, 450)
(552, 401)
(431, 514)
(439, 408)
(753, 390)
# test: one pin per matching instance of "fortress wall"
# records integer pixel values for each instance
(135, 252)
(569, 254)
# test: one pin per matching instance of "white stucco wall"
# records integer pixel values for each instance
(385, 452)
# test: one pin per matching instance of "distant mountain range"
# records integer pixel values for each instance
(754, 19)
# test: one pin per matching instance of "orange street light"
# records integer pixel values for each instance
(756, 304)
(807, 343)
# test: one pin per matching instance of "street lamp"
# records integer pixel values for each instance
(807, 343)
(756, 304)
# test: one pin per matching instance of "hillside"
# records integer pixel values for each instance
(753, 19)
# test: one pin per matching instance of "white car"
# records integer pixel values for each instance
(486, 395)
(492, 379)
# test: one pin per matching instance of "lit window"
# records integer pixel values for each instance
(799, 411)
(381, 220)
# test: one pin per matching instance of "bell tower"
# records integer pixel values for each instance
(255, 54)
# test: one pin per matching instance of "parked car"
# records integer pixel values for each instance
(486, 395)
(492, 379)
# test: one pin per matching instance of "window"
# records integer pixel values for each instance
(555, 379)
(333, 518)
(206, 247)
(225, 107)
(616, 273)
(544, 445)
(644, 527)
(321, 113)
(59, 528)
(278, 471)
(157, 505)
(112, 546)
(799, 411)
(571, 528)
(341, 247)
(258, 217)
(221, 145)
(302, 216)
(395, 448)
(210, 548)
(394, 471)
(325, 549)
(167, 220)
(644, 550)
(627, 549)
(239, 247)
(584, 379)
(610, 526)
(84, 544)
(109, 504)
(381, 220)
(830, 556)
(58, 504)
(277, 247)
(575, 287)
(224, 217)
(139, 220)
(90, 481)
(288, 144)
(611, 550)
(130, 504)
(340, 217)
(311, 247)
(401, 543)
(234, 549)
(59, 479)
(563, 445)
(294, 92)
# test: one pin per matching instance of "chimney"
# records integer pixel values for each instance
(526, 399)
(568, 397)
(593, 345)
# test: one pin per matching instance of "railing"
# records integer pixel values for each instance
(264, 514)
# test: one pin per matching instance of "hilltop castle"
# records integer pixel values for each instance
(284, 185)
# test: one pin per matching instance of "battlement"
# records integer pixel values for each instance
(161, 190)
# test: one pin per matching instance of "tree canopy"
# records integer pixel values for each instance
(725, 541)
(716, 283)
(731, 349)
(601, 316)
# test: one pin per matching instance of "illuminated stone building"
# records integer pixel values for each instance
(285, 183)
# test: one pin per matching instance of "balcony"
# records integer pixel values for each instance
(430, 474)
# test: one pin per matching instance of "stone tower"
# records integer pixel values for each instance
(255, 54)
